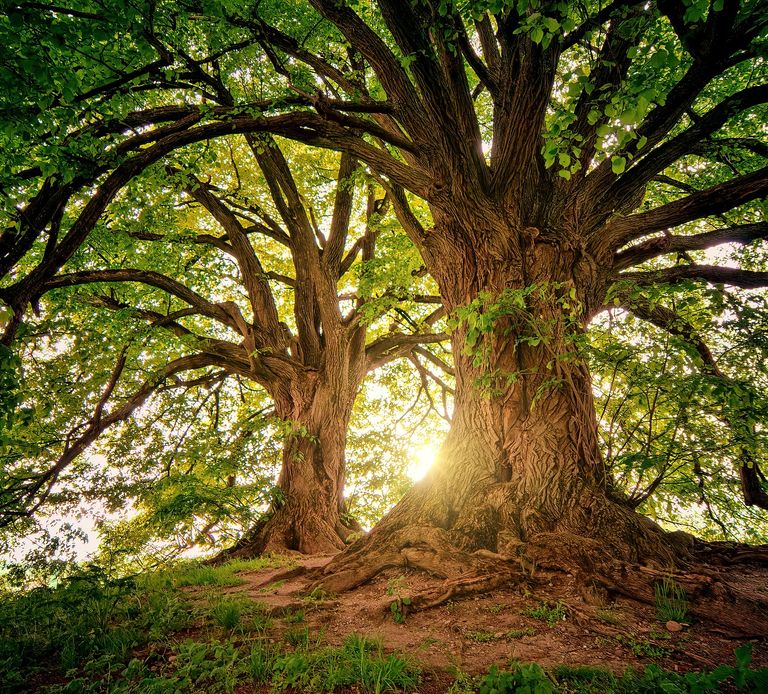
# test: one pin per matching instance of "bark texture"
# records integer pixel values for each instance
(520, 477)
(310, 516)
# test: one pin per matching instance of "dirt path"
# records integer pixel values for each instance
(555, 627)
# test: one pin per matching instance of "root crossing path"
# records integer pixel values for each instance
(533, 615)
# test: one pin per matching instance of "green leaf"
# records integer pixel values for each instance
(551, 24)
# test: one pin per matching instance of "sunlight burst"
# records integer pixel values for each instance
(422, 458)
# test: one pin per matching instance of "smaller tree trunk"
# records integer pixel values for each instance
(310, 515)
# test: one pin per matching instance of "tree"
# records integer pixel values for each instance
(327, 286)
(677, 413)
(556, 146)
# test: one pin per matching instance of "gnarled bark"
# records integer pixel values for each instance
(310, 515)
(520, 476)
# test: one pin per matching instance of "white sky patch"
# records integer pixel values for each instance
(721, 256)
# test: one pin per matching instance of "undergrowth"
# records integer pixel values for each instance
(145, 635)
(531, 678)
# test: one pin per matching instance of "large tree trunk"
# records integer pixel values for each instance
(520, 482)
(520, 474)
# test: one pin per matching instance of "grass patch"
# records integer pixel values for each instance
(272, 586)
(607, 615)
(316, 596)
(294, 617)
(90, 620)
(481, 636)
(671, 602)
(360, 662)
(227, 613)
(300, 638)
(584, 679)
(496, 608)
(551, 613)
(589, 680)
(644, 648)
(194, 573)
(239, 611)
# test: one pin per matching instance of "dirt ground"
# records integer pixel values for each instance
(474, 633)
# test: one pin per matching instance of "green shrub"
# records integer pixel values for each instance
(523, 679)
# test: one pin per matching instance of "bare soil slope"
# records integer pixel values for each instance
(546, 620)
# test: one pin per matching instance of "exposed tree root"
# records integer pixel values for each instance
(459, 588)
(729, 553)
(733, 611)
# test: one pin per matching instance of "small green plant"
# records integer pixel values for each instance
(528, 678)
(260, 662)
(481, 636)
(239, 611)
(399, 606)
(644, 648)
(463, 683)
(272, 586)
(316, 595)
(581, 678)
(549, 613)
(227, 613)
(258, 622)
(428, 641)
(496, 608)
(671, 602)
(297, 637)
(294, 617)
(655, 633)
(519, 633)
(607, 615)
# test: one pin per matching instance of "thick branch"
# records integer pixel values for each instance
(391, 347)
(746, 279)
(223, 313)
(342, 211)
(266, 319)
(652, 248)
(656, 161)
(714, 200)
